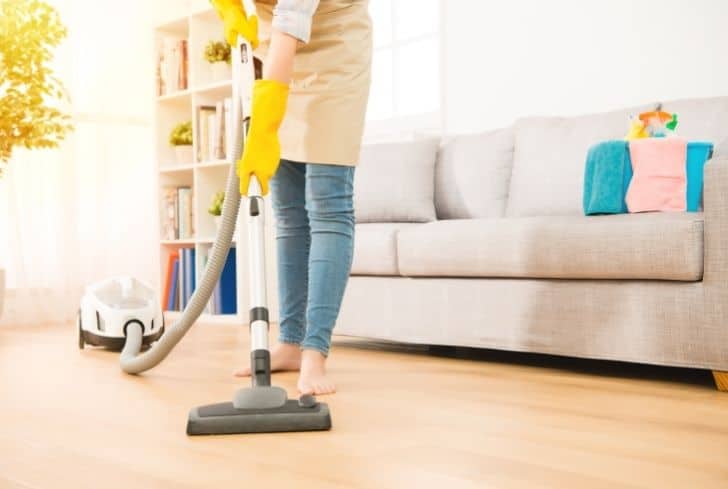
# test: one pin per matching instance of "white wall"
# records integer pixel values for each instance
(510, 58)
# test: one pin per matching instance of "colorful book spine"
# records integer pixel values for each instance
(173, 292)
(228, 286)
(182, 274)
(169, 279)
(191, 279)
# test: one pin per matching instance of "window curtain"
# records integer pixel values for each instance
(88, 210)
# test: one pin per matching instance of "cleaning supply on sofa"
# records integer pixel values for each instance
(658, 123)
(659, 180)
(607, 175)
(652, 124)
(637, 129)
(698, 153)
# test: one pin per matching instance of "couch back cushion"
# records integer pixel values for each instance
(472, 175)
(548, 165)
(395, 182)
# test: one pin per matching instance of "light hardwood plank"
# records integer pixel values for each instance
(401, 419)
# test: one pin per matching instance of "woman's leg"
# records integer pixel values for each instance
(293, 238)
(329, 202)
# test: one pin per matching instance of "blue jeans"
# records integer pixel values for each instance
(314, 212)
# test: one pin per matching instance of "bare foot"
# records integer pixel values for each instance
(284, 357)
(313, 378)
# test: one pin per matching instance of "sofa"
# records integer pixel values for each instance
(480, 240)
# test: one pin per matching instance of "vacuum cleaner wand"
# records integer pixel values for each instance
(261, 407)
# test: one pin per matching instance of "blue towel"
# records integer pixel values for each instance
(607, 175)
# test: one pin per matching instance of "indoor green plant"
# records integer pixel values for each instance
(217, 54)
(215, 208)
(29, 91)
(181, 139)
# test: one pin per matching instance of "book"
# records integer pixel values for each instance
(211, 118)
(183, 64)
(189, 275)
(172, 293)
(182, 274)
(203, 130)
(168, 210)
(193, 272)
(219, 130)
(216, 299)
(169, 279)
(228, 286)
(172, 65)
(228, 122)
(184, 212)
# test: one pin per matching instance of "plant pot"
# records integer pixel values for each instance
(183, 154)
(218, 223)
(2, 289)
(221, 71)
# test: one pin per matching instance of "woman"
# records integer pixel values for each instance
(306, 127)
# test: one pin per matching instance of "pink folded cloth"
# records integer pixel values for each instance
(659, 180)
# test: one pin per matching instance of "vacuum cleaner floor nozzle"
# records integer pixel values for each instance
(224, 419)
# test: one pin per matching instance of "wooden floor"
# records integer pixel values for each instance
(401, 419)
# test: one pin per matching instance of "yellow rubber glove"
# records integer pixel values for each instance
(262, 151)
(236, 21)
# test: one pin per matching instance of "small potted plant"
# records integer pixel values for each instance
(181, 139)
(215, 208)
(217, 53)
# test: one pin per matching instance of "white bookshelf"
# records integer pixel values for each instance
(199, 24)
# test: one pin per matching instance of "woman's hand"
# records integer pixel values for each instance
(236, 21)
(262, 151)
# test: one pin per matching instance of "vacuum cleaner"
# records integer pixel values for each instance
(108, 308)
(260, 407)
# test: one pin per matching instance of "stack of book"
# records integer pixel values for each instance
(172, 65)
(177, 214)
(214, 131)
(181, 283)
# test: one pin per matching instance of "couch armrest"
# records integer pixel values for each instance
(715, 207)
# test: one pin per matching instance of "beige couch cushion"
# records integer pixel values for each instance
(375, 248)
(395, 182)
(472, 174)
(548, 163)
(663, 246)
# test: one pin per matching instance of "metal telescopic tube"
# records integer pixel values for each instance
(244, 74)
(259, 354)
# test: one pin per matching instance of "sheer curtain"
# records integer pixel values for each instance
(87, 210)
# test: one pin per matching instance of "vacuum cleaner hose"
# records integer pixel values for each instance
(132, 362)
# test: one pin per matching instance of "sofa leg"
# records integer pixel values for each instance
(721, 380)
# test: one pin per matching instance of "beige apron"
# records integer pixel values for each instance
(330, 86)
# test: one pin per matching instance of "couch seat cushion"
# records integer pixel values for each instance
(661, 246)
(375, 248)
